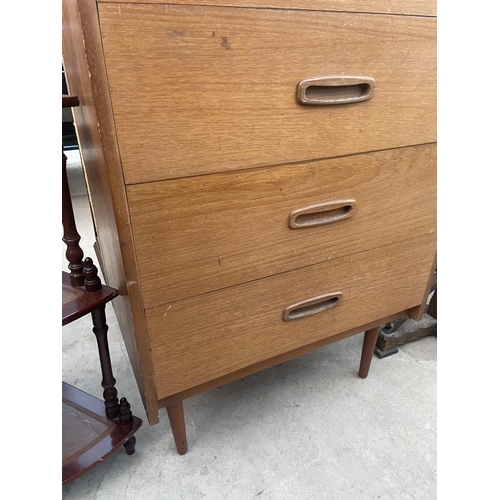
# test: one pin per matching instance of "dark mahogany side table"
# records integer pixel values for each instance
(92, 429)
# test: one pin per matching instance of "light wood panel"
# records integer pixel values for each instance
(205, 337)
(262, 365)
(205, 89)
(414, 7)
(417, 313)
(200, 234)
(86, 78)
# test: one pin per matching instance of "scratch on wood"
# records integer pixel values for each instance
(225, 43)
(357, 244)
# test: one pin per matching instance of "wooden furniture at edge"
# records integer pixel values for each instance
(404, 330)
(91, 429)
(261, 174)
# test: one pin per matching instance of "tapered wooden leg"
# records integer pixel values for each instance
(368, 348)
(176, 417)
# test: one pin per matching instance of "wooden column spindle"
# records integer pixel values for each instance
(92, 284)
(108, 381)
(125, 417)
(74, 253)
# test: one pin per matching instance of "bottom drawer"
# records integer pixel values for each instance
(198, 339)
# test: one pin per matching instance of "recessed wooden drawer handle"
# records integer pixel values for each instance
(312, 306)
(335, 90)
(324, 213)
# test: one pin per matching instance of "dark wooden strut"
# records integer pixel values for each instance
(92, 283)
(74, 253)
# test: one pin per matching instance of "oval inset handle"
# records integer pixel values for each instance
(312, 306)
(324, 213)
(335, 90)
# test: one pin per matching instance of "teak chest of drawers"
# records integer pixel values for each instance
(262, 176)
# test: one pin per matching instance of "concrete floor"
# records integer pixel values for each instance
(309, 428)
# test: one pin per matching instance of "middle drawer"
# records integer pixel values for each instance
(195, 235)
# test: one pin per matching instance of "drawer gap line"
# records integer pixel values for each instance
(283, 272)
(299, 162)
(248, 7)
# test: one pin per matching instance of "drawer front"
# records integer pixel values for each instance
(197, 90)
(199, 339)
(409, 7)
(205, 233)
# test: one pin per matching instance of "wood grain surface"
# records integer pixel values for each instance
(86, 78)
(204, 233)
(413, 7)
(205, 337)
(201, 87)
(418, 312)
(197, 89)
(275, 360)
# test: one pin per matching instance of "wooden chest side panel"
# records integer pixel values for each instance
(200, 90)
(205, 337)
(86, 78)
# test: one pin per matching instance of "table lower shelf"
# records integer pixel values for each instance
(88, 437)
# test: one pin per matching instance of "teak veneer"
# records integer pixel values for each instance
(220, 85)
(262, 177)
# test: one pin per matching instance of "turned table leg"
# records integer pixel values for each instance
(74, 252)
(368, 348)
(176, 416)
(130, 446)
(108, 381)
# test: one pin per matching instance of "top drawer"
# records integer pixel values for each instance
(197, 90)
